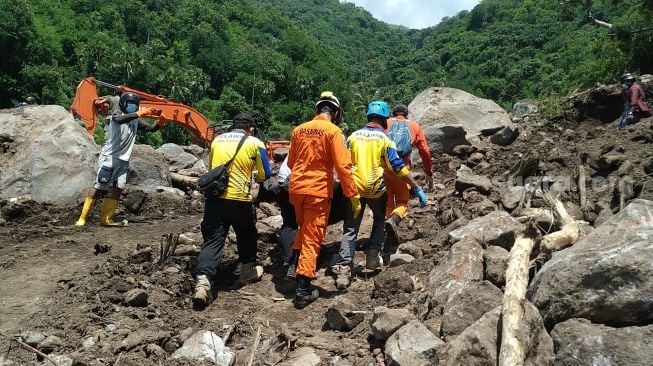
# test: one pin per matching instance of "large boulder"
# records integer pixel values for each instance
(448, 106)
(386, 321)
(605, 277)
(463, 264)
(579, 342)
(523, 108)
(148, 169)
(495, 228)
(466, 306)
(177, 156)
(478, 344)
(49, 156)
(442, 139)
(465, 178)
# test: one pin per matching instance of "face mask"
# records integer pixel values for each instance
(131, 108)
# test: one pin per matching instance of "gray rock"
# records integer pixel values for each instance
(478, 344)
(506, 136)
(610, 161)
(50, 344)
(605, 277)
(342, 316)
(136, 297)
(604, 216)
(32, 337)
(463, 264)
(177, 157)
(154, 351)
(443, 139)
(524, 108)
(475, 159)
(386, 321)
(450, 106)
(412, 345)
(60, 360)
(574, 211)
(267, 228)
(579, 342)
(625, 168)
(148, 168)
(496, 263)
(495, 228)
(89, 343)
(467, 305)
(54, 162)
(206, 346)
(465, 178)
(462, 151)
(511, 196)
(170, 190)
(195, 150)
(411, 248)
(482, 208)
(304, 356)
(110, 328)
(6, 362)
(399, 259)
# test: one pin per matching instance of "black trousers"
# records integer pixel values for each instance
(289, 226)
(219, 215)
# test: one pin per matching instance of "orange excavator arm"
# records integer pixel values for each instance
(84, 108)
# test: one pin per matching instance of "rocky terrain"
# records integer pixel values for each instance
(100, 296)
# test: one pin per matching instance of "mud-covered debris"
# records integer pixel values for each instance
(389, 283)
(205, 345)
(465, 178)
(343, 316)
(141, 337)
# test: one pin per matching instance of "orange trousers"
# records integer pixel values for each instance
(398, 195)
(312, 214)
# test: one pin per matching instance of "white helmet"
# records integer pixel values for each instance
(328, 97)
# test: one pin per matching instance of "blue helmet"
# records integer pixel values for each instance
(378, 108)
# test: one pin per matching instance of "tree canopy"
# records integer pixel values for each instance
(272, 58)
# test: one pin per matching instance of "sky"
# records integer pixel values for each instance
(416, 14)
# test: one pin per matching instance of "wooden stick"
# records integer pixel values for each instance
(29, 348)
(581, 187)
(256, 340)
(183, 180)
(512, 351)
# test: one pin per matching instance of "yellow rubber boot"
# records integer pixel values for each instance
(109, 206)
(88, 206)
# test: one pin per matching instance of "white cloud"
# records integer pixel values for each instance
(414, 14)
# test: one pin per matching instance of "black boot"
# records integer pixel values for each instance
(305, 293)
(292, 264)
(391, 238)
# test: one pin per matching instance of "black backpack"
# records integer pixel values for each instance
(213, 183)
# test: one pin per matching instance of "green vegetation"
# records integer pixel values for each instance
(273, 57)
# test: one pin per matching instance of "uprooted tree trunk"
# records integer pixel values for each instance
(512, 351)
(184, 181)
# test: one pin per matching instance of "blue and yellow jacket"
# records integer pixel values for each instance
(372, 152)
(252, 155)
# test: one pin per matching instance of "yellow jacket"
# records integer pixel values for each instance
(252, 155)
(372, 152)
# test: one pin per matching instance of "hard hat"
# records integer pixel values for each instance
(378, 108)
(627, 77)
(327, 97)
(244, 118)
(400, 109)
(128, 98)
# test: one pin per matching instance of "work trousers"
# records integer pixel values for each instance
(312, 214)
(351, 226)
(289, 226)
(219, 215)
(398, 193)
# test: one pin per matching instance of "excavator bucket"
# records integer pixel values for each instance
(83, 107)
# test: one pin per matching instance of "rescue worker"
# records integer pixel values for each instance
(115, 155)
(372, 153)
(316, 148)
(406, 134)
(635, 107)
(233, 207)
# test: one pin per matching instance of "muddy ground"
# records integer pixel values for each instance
(70, 283)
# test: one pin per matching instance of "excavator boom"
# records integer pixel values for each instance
(202, 132)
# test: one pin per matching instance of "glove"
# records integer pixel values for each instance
(419, 192)
(355, 205)
(429, 183)
(146, 112)
(161, 120)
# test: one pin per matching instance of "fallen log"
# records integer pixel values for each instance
(512, 352)
(185, 181)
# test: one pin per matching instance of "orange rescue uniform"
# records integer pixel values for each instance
(398, 190)
(316, 148)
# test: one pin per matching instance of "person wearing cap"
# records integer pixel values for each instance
(317, 147)
(233, 207)
(372, 154)
(635, 107)
(398, 190)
